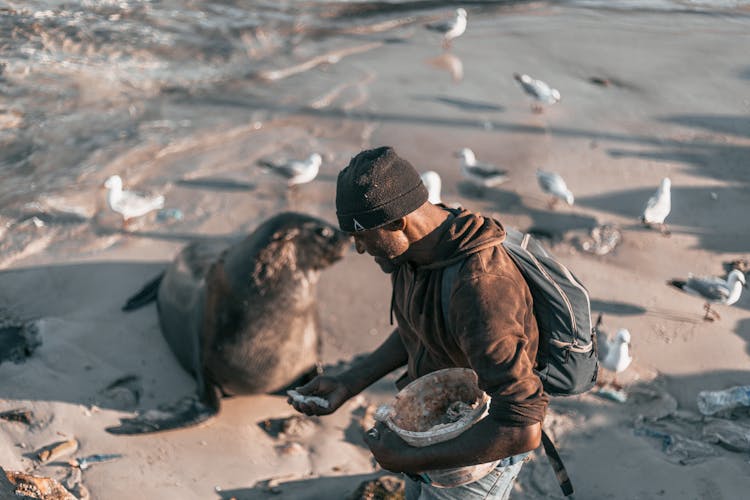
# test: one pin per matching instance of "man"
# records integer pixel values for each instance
(382, 202)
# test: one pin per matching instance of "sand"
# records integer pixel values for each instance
(677, 106)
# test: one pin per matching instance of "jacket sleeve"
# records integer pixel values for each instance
(492, 319)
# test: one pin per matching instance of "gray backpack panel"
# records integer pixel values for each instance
(567, 361)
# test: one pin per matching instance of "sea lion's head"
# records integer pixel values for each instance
(301, 243)
(319, 244)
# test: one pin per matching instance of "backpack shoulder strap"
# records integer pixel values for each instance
(557, 465)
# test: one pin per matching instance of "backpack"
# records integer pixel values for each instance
(567, 361)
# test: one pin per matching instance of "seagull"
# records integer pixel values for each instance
(482, 175)
(713, 289)
(614, 354)
(431, 181)
(553, 184)
(538, 90)
(296, 171)
(129, 203)
(658, 206)
(450, 29)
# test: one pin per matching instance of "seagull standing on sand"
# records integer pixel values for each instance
(614, 354)
(296, 171)
(658, 206)
(482, 175)
(129, 203)
(432, 182)
(552, 183)
(713, 290)
(450, 29)
(538, 90)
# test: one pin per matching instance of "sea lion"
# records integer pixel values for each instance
(241, 319)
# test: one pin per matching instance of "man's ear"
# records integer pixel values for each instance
(397, 225)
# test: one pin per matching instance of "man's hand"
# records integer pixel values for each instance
(329, 388)
(391, 452)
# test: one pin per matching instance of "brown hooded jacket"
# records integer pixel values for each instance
(493, 329)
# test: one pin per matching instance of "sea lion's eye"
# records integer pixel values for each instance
(325, 232)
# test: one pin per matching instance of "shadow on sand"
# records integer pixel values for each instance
(615, 307)
(78, 309)
(550, 224)
(694, 208)
(216, 184)
(743, 332)
(462, 104)
(705, 212)
(730, 125)
(339, 487)
(169, 236)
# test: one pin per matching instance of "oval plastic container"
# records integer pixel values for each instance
(416, 411)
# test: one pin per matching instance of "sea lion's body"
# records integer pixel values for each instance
(243, 318)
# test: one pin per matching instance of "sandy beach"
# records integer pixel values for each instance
(675, 104)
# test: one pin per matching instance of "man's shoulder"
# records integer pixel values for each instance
(491, 261)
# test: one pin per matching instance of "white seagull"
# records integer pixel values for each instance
(614, 354)
(432, 182)
(482, 175)
(658, 206)
(296, 171)
(713, 290)
(129, 203)
(552, 183)
(450, 29)
(538, 90)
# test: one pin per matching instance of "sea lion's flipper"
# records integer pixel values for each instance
(187, 412)
(144, 295)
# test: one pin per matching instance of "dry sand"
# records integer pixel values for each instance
(678, 107)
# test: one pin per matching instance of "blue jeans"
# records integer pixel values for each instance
(494, 486)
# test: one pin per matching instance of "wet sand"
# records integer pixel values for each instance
(677, 106)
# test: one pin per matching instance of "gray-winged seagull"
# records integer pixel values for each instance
(482, 175)
(296, 171)
(614, 354)
(432, 182)
(713, 289)
(552, 183)
(538, 90)
(130, 204)
(450, 29)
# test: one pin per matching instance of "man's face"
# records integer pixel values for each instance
(385, 245)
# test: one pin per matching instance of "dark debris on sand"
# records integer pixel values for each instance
(381, 488)
(20, 415)
(18, 339)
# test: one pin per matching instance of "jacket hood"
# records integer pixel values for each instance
(463, 234)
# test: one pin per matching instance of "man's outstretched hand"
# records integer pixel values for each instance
(329, 388)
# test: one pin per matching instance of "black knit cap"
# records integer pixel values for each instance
(377, 187)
